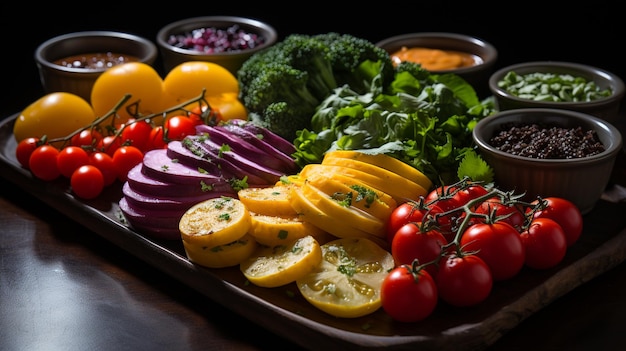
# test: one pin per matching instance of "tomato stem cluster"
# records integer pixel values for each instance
(208, 116)
(455, 242)
(507, 198)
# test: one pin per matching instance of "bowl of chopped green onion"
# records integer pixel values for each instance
(560, 85)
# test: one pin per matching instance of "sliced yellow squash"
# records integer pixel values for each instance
(336, 226)
(214, 222)
(359, 195)
(293, 179)
(347, 283)
(384, 161)
(282, 264)
(221, 256)
(342, 211)
(271, 201)
(275, 230)
(401, 189)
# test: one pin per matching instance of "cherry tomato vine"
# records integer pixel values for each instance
(490, 236)
(123, 144)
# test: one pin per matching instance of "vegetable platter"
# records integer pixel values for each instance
(284, 312)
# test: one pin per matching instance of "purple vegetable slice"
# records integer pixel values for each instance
(158, 165)
(142, 223)
(223, 136)
(279, 142)
(143, 183)
(288, 163)
(158, 202)
(257, 173)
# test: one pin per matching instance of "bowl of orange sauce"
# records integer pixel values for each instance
(469, 57)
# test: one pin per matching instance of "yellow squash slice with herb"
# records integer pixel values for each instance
(347, 282)
(280, 265)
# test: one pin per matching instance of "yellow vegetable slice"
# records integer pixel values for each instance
(309, 212)
(279, 265)
(275, 230)
(221, 256)
(387, 162)
(401, 189)
(351, 182)
(410, 188)
(294, 179)
(271, 201)
(341, 211)
(214, 222)
(361, 196)
(347, 282)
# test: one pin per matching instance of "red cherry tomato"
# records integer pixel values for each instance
(43, 162)
(464, 196)
(545, 243)
(196, 115)
(178, 127)
(125, 158)
(70, 158)
(87, 182)
(463, 281)
(499, 245)
(446, 199)
(511, 214)
(104, 162)
(24, 149)
(443, 197)
(110, 144)
(404, 213)
(565, 213)
(411, 243)
(86, 138)
(408, 296)
(137, 134)
(156, 139)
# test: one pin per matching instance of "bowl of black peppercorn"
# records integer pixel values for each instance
(544, 152)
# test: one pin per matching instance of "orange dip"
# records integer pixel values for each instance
(435, 59)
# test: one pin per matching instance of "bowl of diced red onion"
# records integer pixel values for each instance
(224, 40)
(550, 152)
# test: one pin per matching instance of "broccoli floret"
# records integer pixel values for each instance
(307, 54)
(255, 65)
(279, 82)
(285, 119)
(415, 69)
(347, 53)
(301, 71)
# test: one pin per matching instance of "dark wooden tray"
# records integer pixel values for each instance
(601, 247)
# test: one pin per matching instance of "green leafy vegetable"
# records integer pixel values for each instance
(423, 119)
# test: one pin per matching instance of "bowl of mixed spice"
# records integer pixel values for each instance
(549, 152)
(72, 62)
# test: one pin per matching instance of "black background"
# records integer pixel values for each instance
(521, 31)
